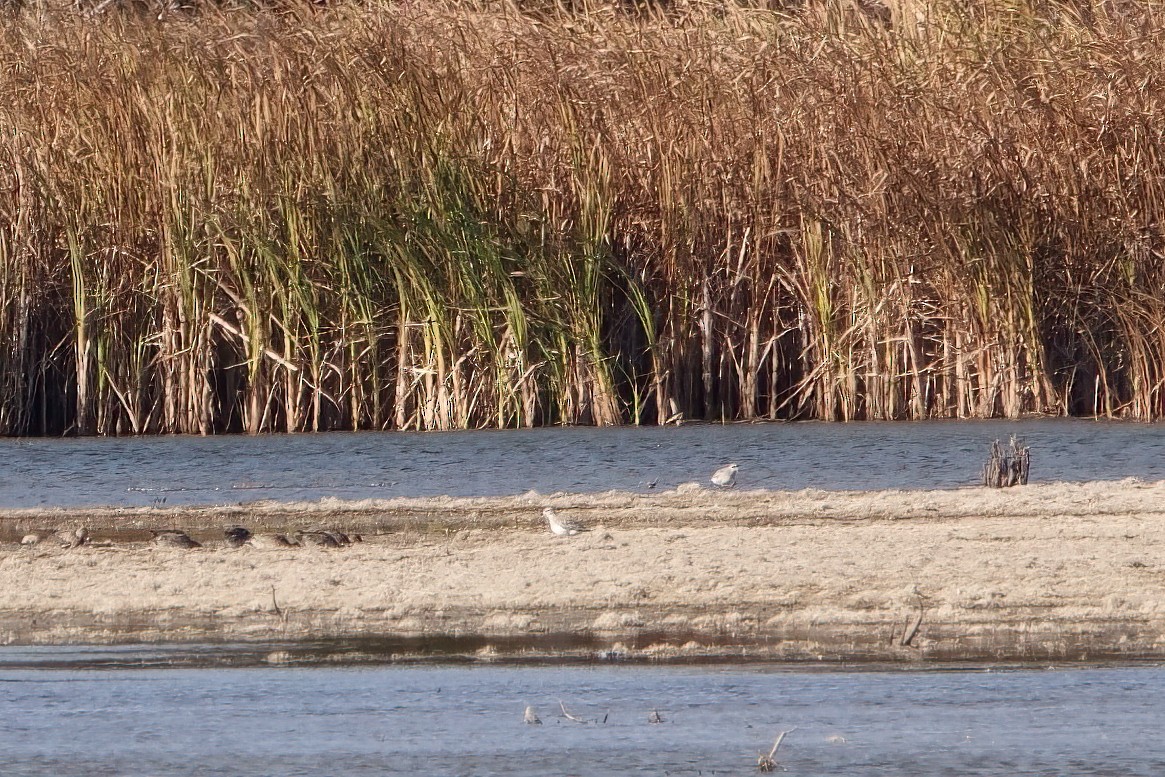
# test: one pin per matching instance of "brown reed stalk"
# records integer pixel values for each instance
(457, 215)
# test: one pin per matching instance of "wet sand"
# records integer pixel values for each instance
(1044, 572)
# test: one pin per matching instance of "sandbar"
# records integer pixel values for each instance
(1044, 572)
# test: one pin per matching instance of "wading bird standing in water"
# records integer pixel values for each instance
(563, 527)
(725, 477)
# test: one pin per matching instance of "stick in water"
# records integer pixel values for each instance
(767, 763)
(568, 715)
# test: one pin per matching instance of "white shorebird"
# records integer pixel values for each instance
(725, 477)
(563, 527)
(530, 718)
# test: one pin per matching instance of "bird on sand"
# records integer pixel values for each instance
(236, 536)
(72, 539)
(562, 527)
(270, 541)
(319, 538)
(337, 537)
(172, 538)
(725, 477)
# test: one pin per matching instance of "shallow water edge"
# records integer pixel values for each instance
(550, 650)
(147, 641)
(143, 472)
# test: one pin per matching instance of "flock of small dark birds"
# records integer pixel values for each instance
(233, 537)
(238, 536)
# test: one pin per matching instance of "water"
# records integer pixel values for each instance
(347, 722)
(225, 470)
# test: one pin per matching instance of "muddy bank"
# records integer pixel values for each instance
(1046, 572)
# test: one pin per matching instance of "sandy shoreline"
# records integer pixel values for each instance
(1046, 572)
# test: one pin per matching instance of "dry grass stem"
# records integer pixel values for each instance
(459, 215)
(768, 763)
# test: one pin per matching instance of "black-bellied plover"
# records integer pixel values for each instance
(339, 537)
(725, 477)
(321, 539)
(237, 536)
(270, 541)
(562, 527)
(172, 538)
(72, 539)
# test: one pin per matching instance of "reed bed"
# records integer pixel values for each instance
(452, 215)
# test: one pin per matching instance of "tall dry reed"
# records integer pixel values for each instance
(441, 215)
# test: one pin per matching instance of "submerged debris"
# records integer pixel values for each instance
(577, 719)
(768, 763)
(1007, 466)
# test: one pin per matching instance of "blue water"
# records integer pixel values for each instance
(347, 722)
(226, 470)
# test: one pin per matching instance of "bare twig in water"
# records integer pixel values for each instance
(655, 717)
(767, 763)
(568, 715)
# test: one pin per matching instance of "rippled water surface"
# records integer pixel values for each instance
(215, 470)
(468, 721)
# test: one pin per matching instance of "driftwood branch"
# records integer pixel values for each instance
(767, 763)
(568, 716)
(912, 630)
(1007, 466)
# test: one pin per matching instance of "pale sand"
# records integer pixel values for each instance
(1043, 572)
